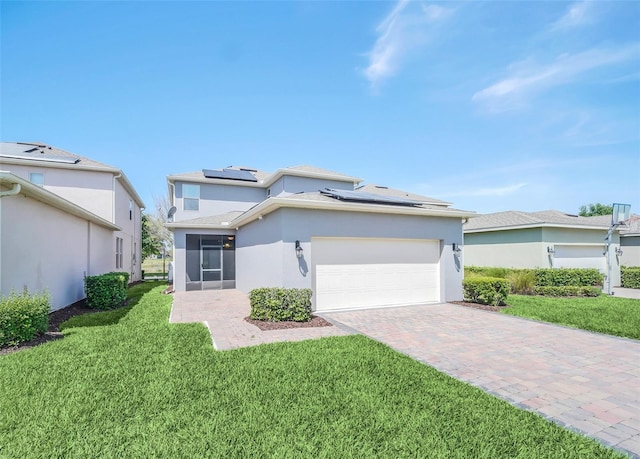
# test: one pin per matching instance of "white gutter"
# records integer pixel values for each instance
(12, 192)
(113, 197)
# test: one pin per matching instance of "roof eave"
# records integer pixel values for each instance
(534, 225)
(54, 165)
(179, 178)
(132, 191)
(275, 203)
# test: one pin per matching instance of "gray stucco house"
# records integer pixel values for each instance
(630, 241)
(304, 227)
(62, 217)
(546, 239)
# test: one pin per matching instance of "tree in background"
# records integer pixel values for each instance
(151, 243)
(595, 209)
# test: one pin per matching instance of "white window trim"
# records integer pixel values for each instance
(190, 199)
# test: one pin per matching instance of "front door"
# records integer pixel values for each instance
(211, 266)
(210, 261)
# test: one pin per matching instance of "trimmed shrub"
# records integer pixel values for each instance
(486, 290)
(567, 290)
(22, 317)
(552, 277)
(107, 291)
(488, 271)
(522, 281)
(278, 304)
(630, 276)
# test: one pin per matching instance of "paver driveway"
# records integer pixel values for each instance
(585, 381)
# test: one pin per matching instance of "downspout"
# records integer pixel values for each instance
(13, 191)
(113, 198)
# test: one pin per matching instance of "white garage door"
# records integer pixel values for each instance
(579, 256)
(355, 273)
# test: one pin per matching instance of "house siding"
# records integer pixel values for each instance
(630, 246)
(218, 199)
(57, 263)
(91, 190)
(131, 229)
(510, 249)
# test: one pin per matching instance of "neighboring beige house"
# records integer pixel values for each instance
(547, 239)
(63, 216)
(630, 241)
(305, 227)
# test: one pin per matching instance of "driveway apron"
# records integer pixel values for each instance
(585, 381)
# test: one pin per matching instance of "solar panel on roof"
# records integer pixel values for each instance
(230, 174)
(357, 196)
(41, 157)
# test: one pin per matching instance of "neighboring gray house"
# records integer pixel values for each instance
(630, 241)
(63, 216)
(547, 239)
(306, 227)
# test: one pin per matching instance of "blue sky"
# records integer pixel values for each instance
(490, 105)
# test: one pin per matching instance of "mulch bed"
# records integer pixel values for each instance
(265, 325)
(484, 307)
(53, 332)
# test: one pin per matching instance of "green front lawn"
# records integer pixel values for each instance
(604, 314)
(129, 384)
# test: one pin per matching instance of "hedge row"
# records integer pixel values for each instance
(107, 291)
(630, 276)
(548, 277)
(486, 290)
(278, 304)
(22, 317)
(567, 290)
(586, 277)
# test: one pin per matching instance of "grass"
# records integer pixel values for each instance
(134, 385)
(153, 267)
(603, 314)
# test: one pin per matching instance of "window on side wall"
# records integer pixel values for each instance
(119, 246)
(190, 197)
(37, 178)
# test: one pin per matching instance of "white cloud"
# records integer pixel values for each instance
(527, 77)
(577, 15)
(402, 31)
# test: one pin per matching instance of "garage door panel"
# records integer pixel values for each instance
(373, 282)
(579, 256)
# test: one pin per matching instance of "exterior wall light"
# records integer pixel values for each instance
(550, 250)
(298, 249)
(618, 251)
(456, 248)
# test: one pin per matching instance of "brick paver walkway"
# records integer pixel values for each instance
(585, 381)
(223, 312)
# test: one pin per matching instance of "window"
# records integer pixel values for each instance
(119, 246)
(37, 178)
(268, 192)
(190, 197)
(130, 209)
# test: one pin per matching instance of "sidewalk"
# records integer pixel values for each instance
(223, 312)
